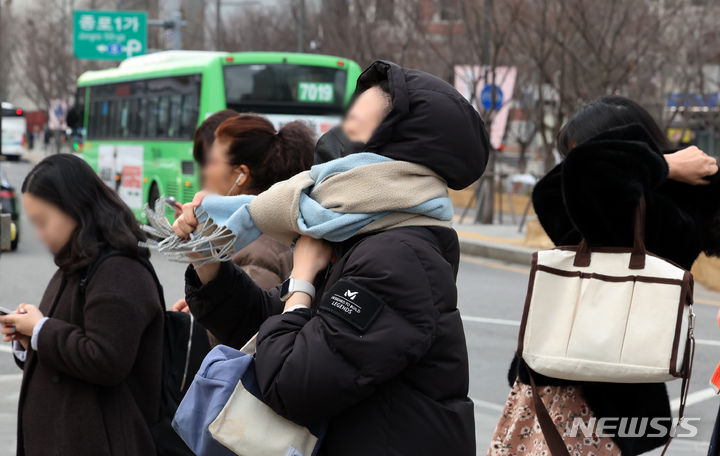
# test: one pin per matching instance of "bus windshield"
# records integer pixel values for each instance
(285, 89)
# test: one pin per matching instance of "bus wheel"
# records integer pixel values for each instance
(153, 194)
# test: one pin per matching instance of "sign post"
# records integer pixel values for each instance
(109, 35)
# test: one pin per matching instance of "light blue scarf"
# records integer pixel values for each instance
(367, 174)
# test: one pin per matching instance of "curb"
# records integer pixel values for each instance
(495, 251)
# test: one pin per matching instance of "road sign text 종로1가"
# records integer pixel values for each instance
(109, 35)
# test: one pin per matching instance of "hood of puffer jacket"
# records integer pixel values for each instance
(430, 124)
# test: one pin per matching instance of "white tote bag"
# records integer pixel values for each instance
(249, 427)
(608, 314)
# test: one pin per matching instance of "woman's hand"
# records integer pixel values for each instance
(181, 306)
(10, 334)
(187, 222)
(310, 256)
(24, 320)
(691, 165)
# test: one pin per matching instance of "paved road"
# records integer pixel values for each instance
(491, 296)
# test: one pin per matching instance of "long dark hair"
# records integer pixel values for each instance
(272, 156)
(104, 222)
(605, 113)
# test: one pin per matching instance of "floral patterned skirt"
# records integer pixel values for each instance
(518, 432)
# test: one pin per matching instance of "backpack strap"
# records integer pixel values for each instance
(113, 253)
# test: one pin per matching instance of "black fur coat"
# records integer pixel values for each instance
(593, 194)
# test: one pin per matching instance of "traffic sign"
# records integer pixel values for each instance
(109, 35)
(486, 97)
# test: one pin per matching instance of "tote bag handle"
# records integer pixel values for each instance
(637, 256)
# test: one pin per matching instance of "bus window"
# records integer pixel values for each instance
(141, 127)
(285, 89)
(104, 118)
(163, 115)
(151, 112)
(189, 116)
(92, 119)
(175, 113)
(151, 108)
(113, 120)
(124, 128)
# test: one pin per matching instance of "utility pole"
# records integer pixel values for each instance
(218, 25)
(176, 23)
(301, 26)
(486, 206)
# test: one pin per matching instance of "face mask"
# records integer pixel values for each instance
(237, 181)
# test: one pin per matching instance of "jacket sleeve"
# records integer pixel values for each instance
(118, 309)
(310, 366)
(703, 203)
(231, 306)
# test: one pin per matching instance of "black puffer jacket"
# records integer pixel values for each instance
(593, 194)
(396, 386)
(381, 355)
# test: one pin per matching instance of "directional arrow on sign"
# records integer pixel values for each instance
(102, 48)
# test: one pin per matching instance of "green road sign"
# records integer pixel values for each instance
(109, 35)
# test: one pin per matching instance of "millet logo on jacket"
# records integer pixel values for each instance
(351, 294)
(352, 303)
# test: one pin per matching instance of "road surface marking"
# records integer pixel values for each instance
(694, 398)
(10, 377)
(707, 342)
(488, 405)
(484, 237)
(494, 321)
(495, 265)
(526, 271)
(506, 322)
(6, 348)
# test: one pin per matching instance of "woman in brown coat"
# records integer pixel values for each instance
(244, 154)
(92, 361)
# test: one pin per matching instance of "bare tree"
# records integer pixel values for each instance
(258, 29)
(42, 54)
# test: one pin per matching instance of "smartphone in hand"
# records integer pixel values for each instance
(6, 311)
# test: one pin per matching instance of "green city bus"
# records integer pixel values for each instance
(136, 121)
